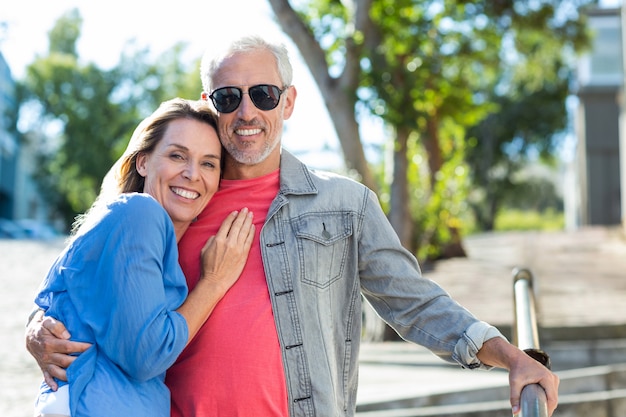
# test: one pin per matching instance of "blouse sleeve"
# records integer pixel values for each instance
(133, 286)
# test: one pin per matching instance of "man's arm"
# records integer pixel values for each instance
(523, 370)
(48, 341)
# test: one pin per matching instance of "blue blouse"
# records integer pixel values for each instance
(116, 286)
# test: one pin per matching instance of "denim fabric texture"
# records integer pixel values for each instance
(325, 242)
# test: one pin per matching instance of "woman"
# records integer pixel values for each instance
(118, 284)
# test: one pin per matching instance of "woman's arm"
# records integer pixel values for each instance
(132, 284)
(138, 327)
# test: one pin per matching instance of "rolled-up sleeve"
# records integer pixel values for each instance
(472, 340)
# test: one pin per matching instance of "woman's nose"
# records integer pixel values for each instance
(190, 172)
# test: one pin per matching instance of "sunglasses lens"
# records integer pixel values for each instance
(265, 96)
(227, 99)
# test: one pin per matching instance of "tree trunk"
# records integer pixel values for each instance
(453, 248)
(433, 150)
(400, 213)
(339, 94)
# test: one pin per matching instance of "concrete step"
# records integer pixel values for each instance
(402, 380)
(597, 391)
(594, 404)
(586, 353)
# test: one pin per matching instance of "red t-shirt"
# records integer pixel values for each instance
(233, 367)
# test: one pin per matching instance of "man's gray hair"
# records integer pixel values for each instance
(250, 43)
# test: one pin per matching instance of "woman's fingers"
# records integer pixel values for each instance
(237, 226)
(224, 255)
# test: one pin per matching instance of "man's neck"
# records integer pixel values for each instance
(234, 170)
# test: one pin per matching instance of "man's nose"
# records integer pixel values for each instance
(246, 107)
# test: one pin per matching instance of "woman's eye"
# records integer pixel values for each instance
(176, 156)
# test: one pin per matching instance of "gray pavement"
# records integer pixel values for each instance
(580, 279)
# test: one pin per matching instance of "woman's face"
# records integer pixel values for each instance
(183, 171)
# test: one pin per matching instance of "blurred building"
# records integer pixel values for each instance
(599, 189)
(20, 198)
(9, 144)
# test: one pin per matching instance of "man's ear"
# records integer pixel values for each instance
(290, 102)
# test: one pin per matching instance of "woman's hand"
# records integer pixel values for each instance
(225, 254)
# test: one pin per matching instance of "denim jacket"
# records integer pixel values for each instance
(325, 242)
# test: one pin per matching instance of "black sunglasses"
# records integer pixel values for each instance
(264, 96)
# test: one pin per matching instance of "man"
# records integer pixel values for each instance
(284, 341)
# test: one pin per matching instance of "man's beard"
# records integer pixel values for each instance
(251, 158)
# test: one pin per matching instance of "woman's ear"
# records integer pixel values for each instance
(140, 163)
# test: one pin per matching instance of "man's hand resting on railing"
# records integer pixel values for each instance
(48, 341)
(523, 370)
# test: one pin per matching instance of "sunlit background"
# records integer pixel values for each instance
(108, 26)
(580, 280)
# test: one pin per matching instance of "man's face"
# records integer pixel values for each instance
(250, 135)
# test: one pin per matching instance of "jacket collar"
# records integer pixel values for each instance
(295, 177)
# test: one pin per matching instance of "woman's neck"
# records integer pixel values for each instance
(179, 229)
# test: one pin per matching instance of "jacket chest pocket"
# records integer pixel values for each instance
(323, 241)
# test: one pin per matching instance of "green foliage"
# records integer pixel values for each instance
(530, 94)
(65, 33)
(530, 203)
(83, 116)
(481, 85)
(514, 219)
(443, 203)
(329, 22)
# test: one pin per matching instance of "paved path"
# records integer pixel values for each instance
(580, 277)
(581, 281)
(22, 266)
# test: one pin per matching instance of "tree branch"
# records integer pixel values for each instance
(310, 50)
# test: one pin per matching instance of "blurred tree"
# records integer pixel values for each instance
(82, 116)
(432, 70)
(530, 93)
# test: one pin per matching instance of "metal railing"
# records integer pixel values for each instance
(533, 401)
